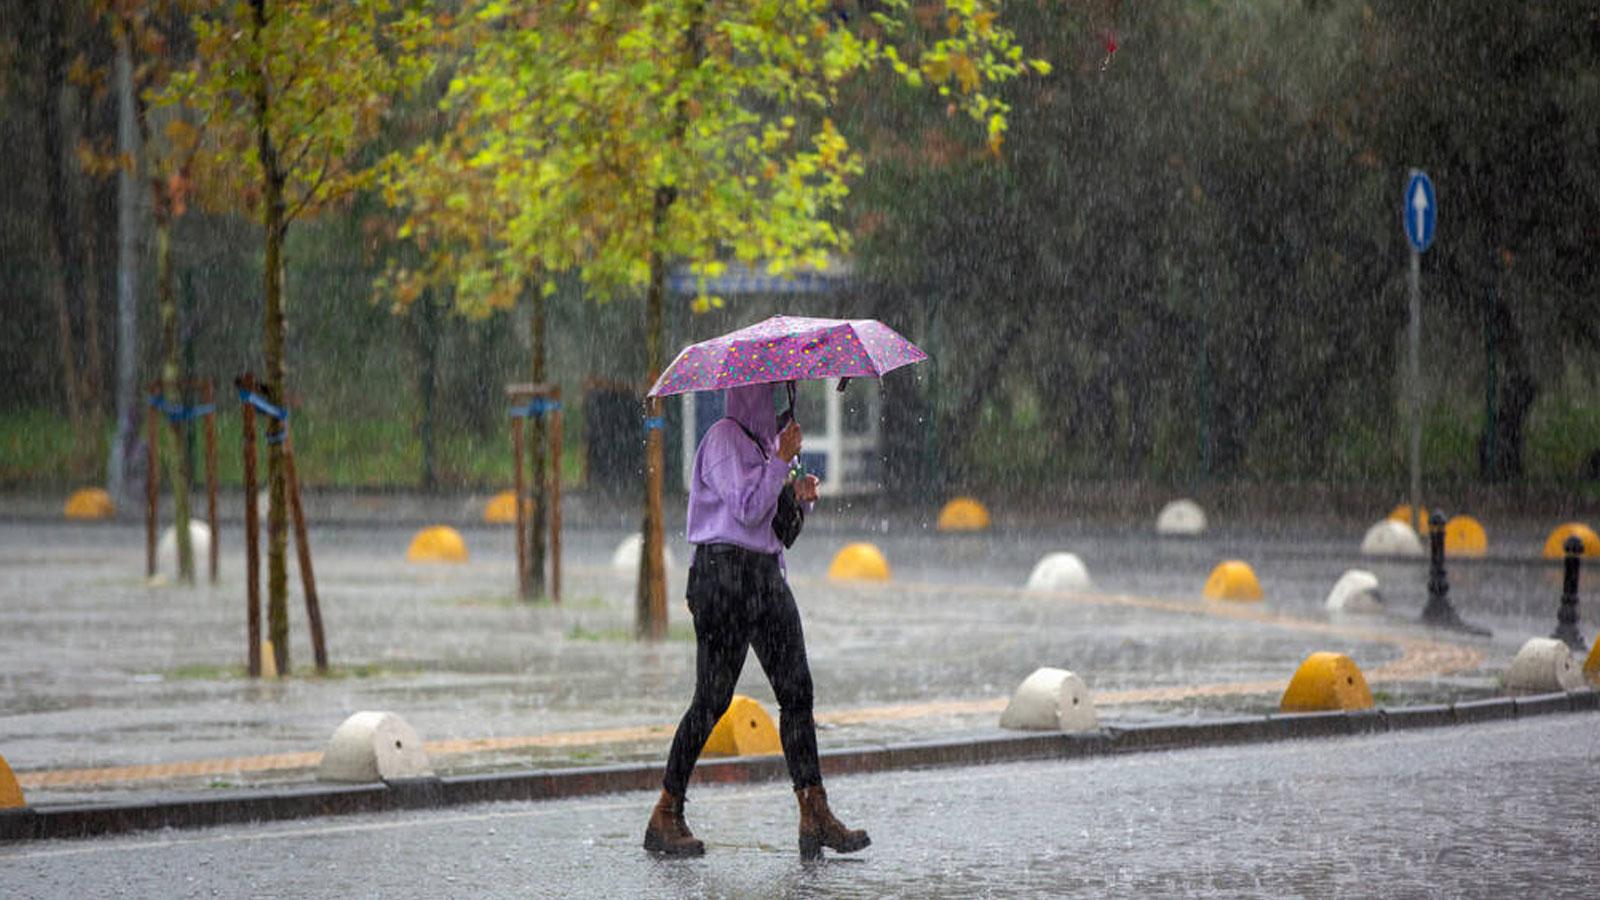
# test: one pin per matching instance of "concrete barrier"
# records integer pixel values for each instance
(437, 544)
(1464, 536)
(199, 545)
(222, 807)
(1417, 523)
(1541, 666)
(373, 746)
(1326, 681)
(859, 562)
(1051, 700)
(963, 514)
(269, 660)
(745, 729)
(89, 504)
(1553, 548)
(1391, 538)
(625, 558)
(10, 792)
(1181, 518)
(1356, 591)
(1060, 572)
(502, 508)
(1233, 580)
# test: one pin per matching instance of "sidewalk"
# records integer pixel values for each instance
(121, 690)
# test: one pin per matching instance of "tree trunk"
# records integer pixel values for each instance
(94, 362)
(427, 377)
(1515, 392)
(538, 431)
(171, 390)
(274, 337)
(127, 277)
(651, 606)
(59, 247)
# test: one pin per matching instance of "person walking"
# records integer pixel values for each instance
(744, 508)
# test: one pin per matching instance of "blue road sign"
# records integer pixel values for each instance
(1419, 211)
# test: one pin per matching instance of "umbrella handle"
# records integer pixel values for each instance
(787, 416)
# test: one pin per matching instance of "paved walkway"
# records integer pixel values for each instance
(116, 687)
(1490, 810)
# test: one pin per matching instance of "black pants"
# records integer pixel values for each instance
(740, 600)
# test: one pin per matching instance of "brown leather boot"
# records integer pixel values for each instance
(667, 832)
(818, 827)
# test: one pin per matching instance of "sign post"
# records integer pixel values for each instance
(1418, 213)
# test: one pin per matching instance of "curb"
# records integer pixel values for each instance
(241, 807)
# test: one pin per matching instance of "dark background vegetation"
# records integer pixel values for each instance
(1186, 266)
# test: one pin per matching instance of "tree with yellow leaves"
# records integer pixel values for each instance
(615, 138)
(283, 95)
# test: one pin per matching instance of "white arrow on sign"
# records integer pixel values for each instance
(1419, 203)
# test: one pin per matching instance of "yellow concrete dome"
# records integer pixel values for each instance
(1402, 513)
(1233, 580)
(963, 514)
(859, 562)
(438, 544)
(1464, 536)
(1553, 544)
(1326, 681)
(502, 508)
(746, 729)
(90, 503)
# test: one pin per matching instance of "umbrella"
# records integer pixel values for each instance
(788, 348)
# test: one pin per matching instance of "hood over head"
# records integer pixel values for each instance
(751, 406)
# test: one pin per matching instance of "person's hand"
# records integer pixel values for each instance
(789, 442)
(805, 489)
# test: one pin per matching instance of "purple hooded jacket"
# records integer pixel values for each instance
(733, 492)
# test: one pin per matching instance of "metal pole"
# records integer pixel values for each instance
(1416, 389)
(127, 276)
(152, 487)
(1567, 616)
(252, 534)
(1439, 611)
(554, 496)
(520, 487)
(211, 476)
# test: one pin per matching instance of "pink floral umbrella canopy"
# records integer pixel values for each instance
(785, 348)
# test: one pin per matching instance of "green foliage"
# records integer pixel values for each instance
(332, 451)
(596, 136)
(320, 73)
(35, 445)
(1194, 251)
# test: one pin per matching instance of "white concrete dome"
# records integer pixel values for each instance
(626, 557)
(1181, 518)
(1355, 591)
(1060, 572)
(199, 542)
(1051, 700)
(1392, 538)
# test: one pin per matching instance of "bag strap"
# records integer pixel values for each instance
(749, 434)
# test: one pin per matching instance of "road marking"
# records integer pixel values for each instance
(1420, 657)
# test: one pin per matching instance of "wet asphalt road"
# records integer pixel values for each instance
(1495, 810)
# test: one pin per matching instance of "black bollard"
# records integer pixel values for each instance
(1439, 612)
(1567, 616)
